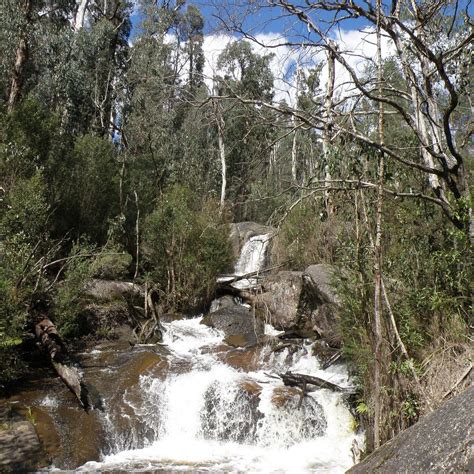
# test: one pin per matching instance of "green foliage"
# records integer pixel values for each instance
(306, 238)
(186, 245)
(111, 264)
(23, 239)
(85, 262)
(29, 141)
(89, 189)
(69, 299)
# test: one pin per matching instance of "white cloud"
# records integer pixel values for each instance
(358, 47)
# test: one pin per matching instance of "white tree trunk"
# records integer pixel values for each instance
(328, 126)
(220, 139)
(80, 15)
(223, 164)
(293, 157)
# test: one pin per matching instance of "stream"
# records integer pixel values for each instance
(196, 404)
(212, 414)
(220, 409)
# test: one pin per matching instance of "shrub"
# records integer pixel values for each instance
(305, 238)
(186, 246)
(23, 242)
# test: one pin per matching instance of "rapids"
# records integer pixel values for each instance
(207, 415)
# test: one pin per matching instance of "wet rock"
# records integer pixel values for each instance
(251, 387)
(236, 321)
(82, 436)
(440, 442)
(279, 300)
(20, 448)
(240, 340)
(283, 395)
(226, 301)
(240, 232)
(46, 431)
(247, 360)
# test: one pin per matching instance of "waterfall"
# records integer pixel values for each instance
(210, 416)
(220, 409)
(252, 259)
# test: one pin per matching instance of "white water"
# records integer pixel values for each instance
(203, 421)
(252, 259)
(207, 416)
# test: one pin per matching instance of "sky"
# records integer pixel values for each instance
(271, 27)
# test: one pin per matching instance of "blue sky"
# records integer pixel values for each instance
(271, 27)
(265, 20)
(270, 19)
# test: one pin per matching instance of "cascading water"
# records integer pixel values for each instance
(210, 416)
(219, 409)
(252, 260)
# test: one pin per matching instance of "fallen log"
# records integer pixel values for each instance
(302, 381)
(227, 280)
(50, 341)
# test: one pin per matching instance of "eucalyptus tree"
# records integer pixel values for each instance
(27, 25)
(431, 44)
(247, 132)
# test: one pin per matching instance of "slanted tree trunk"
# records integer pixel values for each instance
(291, 379)
(80, 15)
(21, 58)
(51, 343)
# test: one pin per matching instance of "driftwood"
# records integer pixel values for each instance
(225, 280)
(50, 341)
(150, 330)
(302, 381)
(332, 360)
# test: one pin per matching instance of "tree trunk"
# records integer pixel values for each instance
(293, 157)
(328, 126)
(80, 15)
(301, 380)
(220, 138)
(51, 342)
(378, 255)
(21, 59)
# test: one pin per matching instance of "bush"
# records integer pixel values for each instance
(111, 264)
(23, 241)
(70, 312)
(305, 238)
(186, 246)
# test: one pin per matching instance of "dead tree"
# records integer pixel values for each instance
(49, 340)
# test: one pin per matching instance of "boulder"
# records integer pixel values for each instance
(225, 301)
(319, 278)
(238, 323)
(319, 303)
(278, 303)
(304, 303)
(240, 232)
(441, 441)
(112, 290)
(20, 448)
